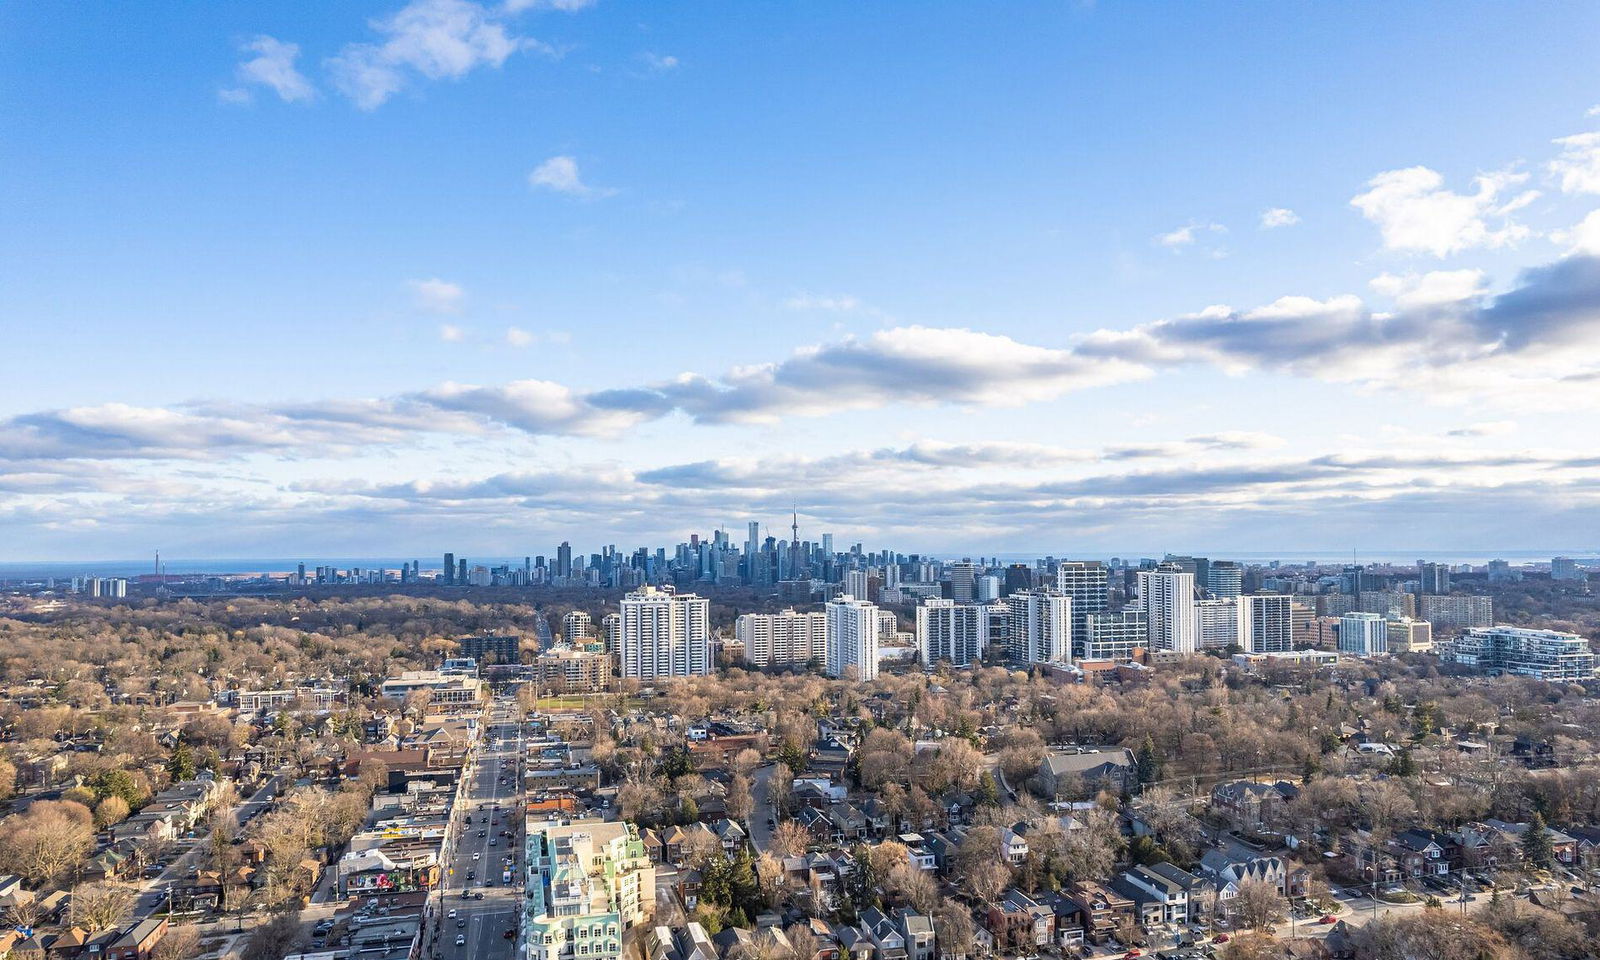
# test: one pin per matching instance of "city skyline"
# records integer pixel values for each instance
(384, 276)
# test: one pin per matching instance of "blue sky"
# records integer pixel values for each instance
(376, 277)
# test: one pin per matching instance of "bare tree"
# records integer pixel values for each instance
(47, 841)
(101, 906)
(180, 943)
(1259, 905)
(790, 839)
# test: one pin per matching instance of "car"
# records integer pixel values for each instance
(461, 939)
(461, 923)
(478, 895)
(452, 913)
(1221, 938)
(467, 895)
(472, 874)
(476, 855)
(510, 934)
(492, 842)
(1328, 918)
(483, 833)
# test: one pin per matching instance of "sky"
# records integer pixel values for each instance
(387, 278)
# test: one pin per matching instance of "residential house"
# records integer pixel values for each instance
(1104, 910)
(1252, 806)
(139, 940)
(917, 931)
(1018, 923)
(1013, 846)
(1063, 775)
(888, 940)
(1157, 898)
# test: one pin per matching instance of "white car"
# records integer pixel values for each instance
(461, 939)
(477, 856)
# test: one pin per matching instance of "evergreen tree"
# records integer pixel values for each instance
(1536, 848)
(744, 888)
(1148, 763)
(988, 790)
(181, 765)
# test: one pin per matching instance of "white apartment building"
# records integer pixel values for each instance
(855, 583)
(1543, 654)
(950, 631)
(1041, 626)
(1167, 599)
(1088, 584)
(1266, 622)
(852, 638)
(786, 638)
(1112, 636)
(1364, 634)
(577, 627)
(1217, 623)
(664, 634)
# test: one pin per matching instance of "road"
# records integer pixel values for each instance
(491, 803)
(761, 810)
(153, 893)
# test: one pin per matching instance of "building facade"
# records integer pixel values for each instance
(664, 634)
(1542, 654)
(784, 639)
(852, 638)
(588, 882)
(950, 631)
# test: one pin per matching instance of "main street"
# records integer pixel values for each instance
(487, 831)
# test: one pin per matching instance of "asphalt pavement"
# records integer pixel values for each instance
(483, 923)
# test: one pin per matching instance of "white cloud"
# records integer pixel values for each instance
(1186, 235)
(438, 39)
(560, 174)
(1435, 288)
(1583, 238)
(450, 333)
(841, 303)
(659, 62)
(1415, 212)
(1488, 428)
(1278, 217)
(1578, 166)
(273, 67)
(1593, 111)
(565, 6)
(437, 296)
(518, 337)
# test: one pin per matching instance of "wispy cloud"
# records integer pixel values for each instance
(450, 333)
(659, 62)
(1578, 166)
(434, 39)
(272, 66)
(560, 175)
(1278, 217)
(837, 303)
(1187, 234)
(437, 296)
